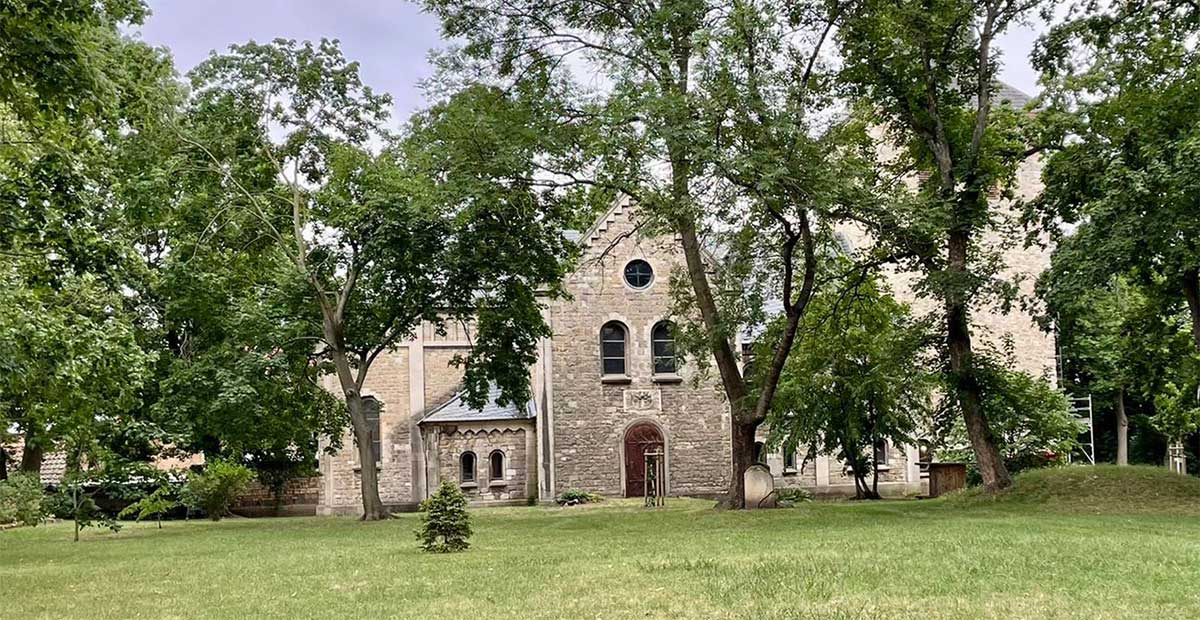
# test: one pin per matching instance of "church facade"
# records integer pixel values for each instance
(606, 389)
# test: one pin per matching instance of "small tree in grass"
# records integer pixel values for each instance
(215, 490)
(156, 504)
(75, 501)
(446, 525)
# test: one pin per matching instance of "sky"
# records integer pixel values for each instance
(390, 38)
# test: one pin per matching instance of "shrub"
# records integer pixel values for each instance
(22, 499)
(215, 490)
(571, 497)
(446, 525)
(154, 505)
(790, 495)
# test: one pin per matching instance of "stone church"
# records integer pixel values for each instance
(606, 388)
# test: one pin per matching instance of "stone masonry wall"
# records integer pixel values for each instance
(590, 416)
(388, 382)
(441, 379)
(295, 491)
(483, 440)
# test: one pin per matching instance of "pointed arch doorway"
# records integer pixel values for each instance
(641, 438)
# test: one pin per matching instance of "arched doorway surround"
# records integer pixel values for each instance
(641, 438)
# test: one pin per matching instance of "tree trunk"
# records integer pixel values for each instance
(987, 455)
(742, 455)
(369, 476)
(3, 463)
(1122, 430)
(874, 477)
(1191, 290)
(32, 454)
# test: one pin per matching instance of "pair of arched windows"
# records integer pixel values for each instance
(466, 466)
(614, 358)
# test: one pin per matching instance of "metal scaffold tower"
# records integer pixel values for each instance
(1081, 408)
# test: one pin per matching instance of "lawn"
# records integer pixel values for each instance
(1023, 556)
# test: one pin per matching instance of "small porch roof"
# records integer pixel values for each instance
(456, 410)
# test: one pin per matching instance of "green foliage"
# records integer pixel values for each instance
(1178, 412)
(571, 497)
(855, 378)
(926, 75)
(75, 501)
(158, 503)
(55, 57)
(445, 523)
(1030, 419)
(22, 499)
(790, 496)
(215, 490)
(1122, 161)
(352, 247)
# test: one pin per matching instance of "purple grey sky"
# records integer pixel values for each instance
(390, 38)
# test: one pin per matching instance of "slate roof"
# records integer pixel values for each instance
(1006, 92)
(457, 410)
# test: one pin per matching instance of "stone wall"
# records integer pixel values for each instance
(591, 413)
(512, 439)
(296, 492)
(388, 381)
(442, 379)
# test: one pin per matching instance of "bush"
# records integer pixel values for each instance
(215, 490)
(154, 505)
(788, 496)
(571, 497)
(446, 525)
(22, 499)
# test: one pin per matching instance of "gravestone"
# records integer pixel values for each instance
(760, 487)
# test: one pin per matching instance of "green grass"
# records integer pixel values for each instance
(1027, 554)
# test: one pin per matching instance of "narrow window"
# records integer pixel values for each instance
(881, 452)
(662, 347)
(612, 348)
(467, 467)
(371, 407)
(747, 361)
(758, 452)
(789, 460)
(496, 463)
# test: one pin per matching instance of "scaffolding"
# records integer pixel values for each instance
(1081, 408)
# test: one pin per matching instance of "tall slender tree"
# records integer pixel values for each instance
(373, 236)
(927, 71)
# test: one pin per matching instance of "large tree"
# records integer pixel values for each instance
(75, 91)
(374, 237)
(713, 116)
(927, 72)
(1123, 111)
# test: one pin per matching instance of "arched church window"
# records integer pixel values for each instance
(662, 348)
(496, 465)
(466, 467)
(612, 348)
